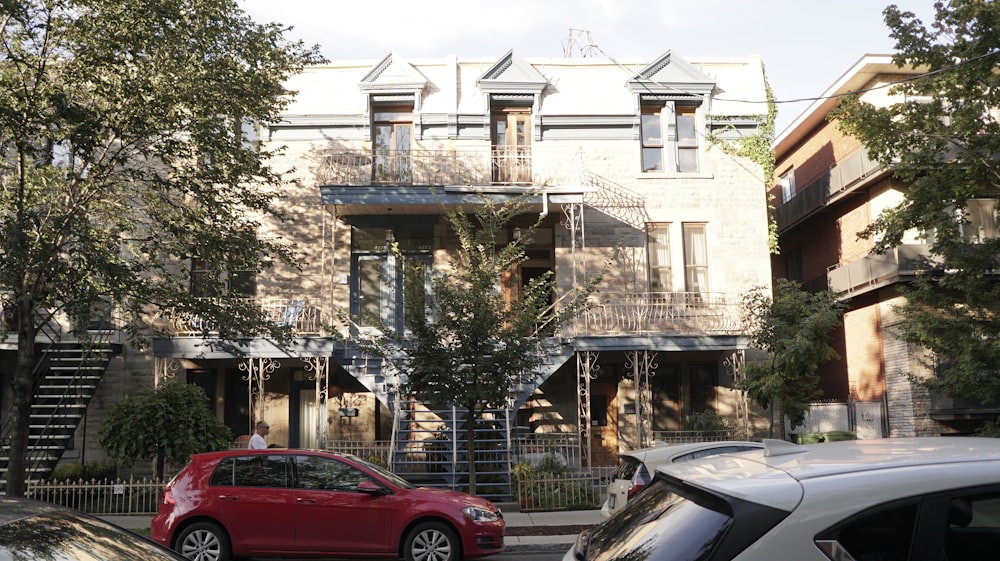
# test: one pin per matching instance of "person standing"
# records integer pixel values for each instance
(257, 441)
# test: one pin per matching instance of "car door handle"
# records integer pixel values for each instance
(227, 498)
(307, 501)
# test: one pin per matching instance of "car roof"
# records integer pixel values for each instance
(208, 456)
(665, 452)
(775, 474)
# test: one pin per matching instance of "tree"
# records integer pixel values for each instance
(165, 425)
(476, 345)
(941, 140)
(793, 327)
(124, 152)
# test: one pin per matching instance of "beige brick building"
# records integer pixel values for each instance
(619, 159)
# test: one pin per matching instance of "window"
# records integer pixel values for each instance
(982, 220)
(658, 255)
(687, 140)
(695, 258)
(883, 534)
(391, 131)
(652, 139)
(318, 473)
(206, 283)
(252, 471)
(669, 137)
(787, 182)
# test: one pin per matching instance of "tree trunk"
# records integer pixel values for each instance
(17, 463)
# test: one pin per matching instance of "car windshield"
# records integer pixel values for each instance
(386, 474)
(65, 536)
(691, 523)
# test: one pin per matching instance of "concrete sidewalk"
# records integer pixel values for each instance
(513, 517)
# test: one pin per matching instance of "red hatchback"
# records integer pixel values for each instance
(303, 503)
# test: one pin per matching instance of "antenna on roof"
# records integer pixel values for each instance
(574, 41)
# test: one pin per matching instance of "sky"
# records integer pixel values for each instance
(805, 45)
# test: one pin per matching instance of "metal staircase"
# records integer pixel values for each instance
(65, 380)
(430, 449)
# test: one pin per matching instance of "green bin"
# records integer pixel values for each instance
(839, 435)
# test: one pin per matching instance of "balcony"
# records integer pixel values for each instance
(299, 315)
(875, 271)
(495, 165)
(678, 313)
(827, 188)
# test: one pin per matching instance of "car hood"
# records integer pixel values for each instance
(456, 497)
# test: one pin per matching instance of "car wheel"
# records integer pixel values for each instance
(432, 541)
(204, 541)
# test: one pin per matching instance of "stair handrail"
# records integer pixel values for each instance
(90, 348)
(53, 333)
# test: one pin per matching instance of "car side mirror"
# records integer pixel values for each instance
(370, 488)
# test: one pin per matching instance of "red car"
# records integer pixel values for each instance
(304, 503)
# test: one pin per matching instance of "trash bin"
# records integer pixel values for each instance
(839, 435)
(807, 437)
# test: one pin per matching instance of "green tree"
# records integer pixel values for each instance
(477, 345)
(793, 327)
(165, 425)
(124, 152)
(941, 140)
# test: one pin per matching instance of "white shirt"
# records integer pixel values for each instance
(257, 442)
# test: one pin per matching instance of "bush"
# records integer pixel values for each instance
(85, 471)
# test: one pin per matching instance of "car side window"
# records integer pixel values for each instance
(319, 473)
(973, 526)
(882, 535)
(256, 471)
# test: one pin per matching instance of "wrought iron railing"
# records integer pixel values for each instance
(299, 314)
(659, 312)
(496, 165)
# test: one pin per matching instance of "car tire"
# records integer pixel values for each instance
(432, 541)
(204, 541)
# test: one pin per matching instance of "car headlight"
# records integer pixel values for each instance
(480, 514)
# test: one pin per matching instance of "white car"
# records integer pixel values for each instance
(912, 499)
(636, 468)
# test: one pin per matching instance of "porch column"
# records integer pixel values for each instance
(574, 223)
(736, 363)
(586, 370)
(320, 367)
(643, 366)
(258, 370)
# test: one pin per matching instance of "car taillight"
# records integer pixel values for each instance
(634, 488)
(168, 499)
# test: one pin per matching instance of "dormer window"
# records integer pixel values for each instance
(669, 138)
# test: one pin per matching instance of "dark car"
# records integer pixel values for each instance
(32, 530)
(307, 503)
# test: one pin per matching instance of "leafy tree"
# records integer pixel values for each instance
(476, 345)
(168, 424)
(793, 327)
(124, 152)
(941, 140)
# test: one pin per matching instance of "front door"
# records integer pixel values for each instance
(604, 423)
(511, 137)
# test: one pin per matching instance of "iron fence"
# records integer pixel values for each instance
(100, 496)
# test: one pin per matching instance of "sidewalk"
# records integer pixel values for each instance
(513, 517)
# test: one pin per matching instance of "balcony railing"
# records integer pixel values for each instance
(302, 317)
(873, 271)
(826, 188)
(659, 312)
(495, 165)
